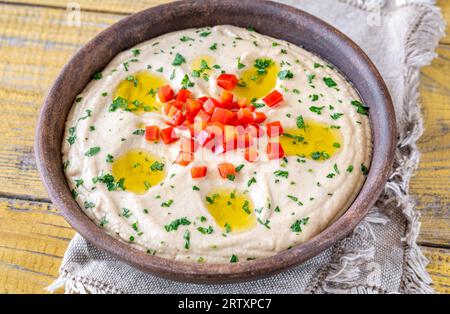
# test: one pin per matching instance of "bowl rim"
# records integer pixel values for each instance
(52, 174)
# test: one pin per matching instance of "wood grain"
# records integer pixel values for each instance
(430, 187)
(438, 268)
(33, 237)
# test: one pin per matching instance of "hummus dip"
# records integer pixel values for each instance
(143, 162)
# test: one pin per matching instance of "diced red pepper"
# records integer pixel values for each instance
(209, 105)
(152, 133)
(193, 106)
(188, 145)
(273, 99)
(244, 116)
(184, 158)
(218, 148)
(222, 115)
(243, 102)
(251, 154)
(204, 137)
(259, 117)
(175, 116)
(244, 140)
(227, 81)
(274, 150)
(230, 137)
(184, 95)
(274, 128)
(202, 99)
(226, 169)
(196, 127)
(227, 97)
(255, 130)
(165, 93)
(251, 108)
(171, 104)
(168, 135)
(198, 172)
(202, 116)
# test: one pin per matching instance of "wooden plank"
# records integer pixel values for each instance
(438, 268)
(445, 9)
(25, 79)
(431, 186)
(33, 239)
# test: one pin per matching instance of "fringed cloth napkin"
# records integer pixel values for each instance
(381, 256)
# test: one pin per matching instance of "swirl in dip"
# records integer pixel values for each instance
(216, 145)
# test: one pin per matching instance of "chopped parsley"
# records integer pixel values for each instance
(110, 182)
(72, 137)
(301, 122)
(317, 110)
(88, 205)
(187, 239)
(139, 132)
(251, 181)
(231, 177)
(297, 225)
(110, 158)
(239, 168)
(319, 155)
(118, 103)
(205, 34)
(167, 203)
(92, 151)
(103, 222)
(281, 173)
(336, 115)
(186, 39)
(329, 82)
(245, 207)
(364, 169)
(97, 76)
(239, 64)
(126, 213)
(186, 82)
(203, 230)
(360, 108)
(173, 226)
(157, 166)
(234, 259)
(179, 60)
(136, 52)
(285, 74)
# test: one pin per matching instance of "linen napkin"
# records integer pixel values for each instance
(381, 255)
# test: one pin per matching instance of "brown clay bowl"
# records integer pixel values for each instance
(268, 18)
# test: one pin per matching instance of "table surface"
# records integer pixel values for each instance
(36, 42)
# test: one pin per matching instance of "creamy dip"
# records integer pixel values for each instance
(136, 191)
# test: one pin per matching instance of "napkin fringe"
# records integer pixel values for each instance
(421, 43)
(422, 39)
(80, 285)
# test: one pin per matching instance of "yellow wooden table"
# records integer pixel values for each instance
(36, 41)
